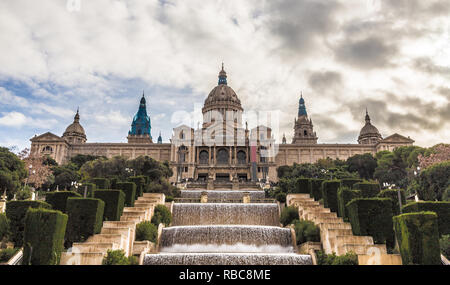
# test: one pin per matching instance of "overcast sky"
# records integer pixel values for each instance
(392, 57)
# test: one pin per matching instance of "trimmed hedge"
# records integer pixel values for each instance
(368, 189)
(4, 226)
(316, 188)
(329, 194)
(418, 238)
(140, 184)
(303, 185)
(129, 188)
(58, 200)
(16, 212)
(101, 183)
(372, 217)
(85, 218)
(345, 195)
(114, 203)
(91, 187)
(161, 215)
(44, 236)
(442, 209)
(349, 182)
(113, 183)
(393, 195)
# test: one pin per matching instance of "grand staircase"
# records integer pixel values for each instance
(337, 236)
(116, 235)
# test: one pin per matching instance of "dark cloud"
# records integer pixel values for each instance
(320, 81)
(299, 22)
(425, 64)
(419, 116)
(416, 9)
(372, 52)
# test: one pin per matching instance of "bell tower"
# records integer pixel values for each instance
(303, 126)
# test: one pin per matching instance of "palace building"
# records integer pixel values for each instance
(222, 152)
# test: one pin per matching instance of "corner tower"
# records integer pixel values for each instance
(303, 127)
(141, 126)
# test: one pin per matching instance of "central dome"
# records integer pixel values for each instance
(222, 97)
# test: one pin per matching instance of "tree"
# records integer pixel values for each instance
(434, 181)
(364, 164)
(436, 154)
(80, 159)
(12, 171)
(391, 169)
(38, 170)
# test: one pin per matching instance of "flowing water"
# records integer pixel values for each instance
(226, 238)
(226, 233)
(223, 194)
(264, 214)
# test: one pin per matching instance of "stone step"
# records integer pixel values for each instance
(111, 238)
(85, 258)
(148, 200)
(361, 249)
(128, 234)
(339, 232)
(142, 246)
(327, 220)
(351, 239)
(94, 247)
(312, 216)
(144, 205)
(380, 259)
(146, 210)
(132, 218)
(119, 224)
(327, 226)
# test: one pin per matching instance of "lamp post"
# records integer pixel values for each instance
(416, 173)
(399, 194)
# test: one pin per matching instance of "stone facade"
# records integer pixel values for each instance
(222, 150)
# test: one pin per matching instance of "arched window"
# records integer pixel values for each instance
(47, 149)
(241, 157)
(181, 135)
(223, 156)
(203, 157)
(306, 133)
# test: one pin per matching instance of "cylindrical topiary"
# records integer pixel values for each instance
(368, 189)
(58, 200)
(114, 203)
(442, 209)
(316, 188)
(101, 183)
(329, 194)
(44, 236)
(129, 188)
(418, 238)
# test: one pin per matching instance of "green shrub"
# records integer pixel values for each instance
(101, 183)
(91, 187)
(140, 184)
(4, 226)
(169, 199)
(372, 217)
(349, 182)
(161, 215)
(418, 238)
(129, 188)
(115, 257)
(58, 200)
(393, 195)
(442, 209)
(303, 185)
(146, 231)
(281, 197)
(44, 236)
(349, 258)
(7, 253)
(345, 195)
(16, 212)
(113, 183)
(114, 203)
(444, 243)
(329, 194)
(288, 214)
(306, 231)
(368, 189)
(316, 188)
(24, 194)
(85, 218)
(133, 260)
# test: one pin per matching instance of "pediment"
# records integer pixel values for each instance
(396, 138)
(47, 137)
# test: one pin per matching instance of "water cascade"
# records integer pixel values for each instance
(221, 195)
(264, 214)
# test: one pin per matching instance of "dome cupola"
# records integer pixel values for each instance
(75, 132)
(369, 133)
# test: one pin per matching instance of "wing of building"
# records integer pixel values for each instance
(222, 152)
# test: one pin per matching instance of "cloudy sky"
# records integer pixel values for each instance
(392, 57)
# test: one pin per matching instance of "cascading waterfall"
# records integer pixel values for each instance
(264, 214)
(226, 233)
(223, 194)
(226, 238)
